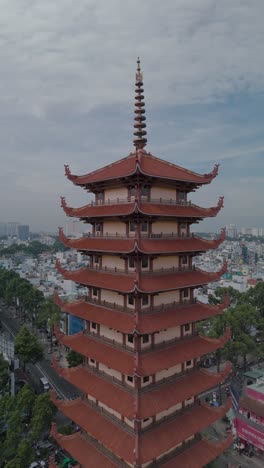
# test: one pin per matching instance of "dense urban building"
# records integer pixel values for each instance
(23, 232)
(141, 377)
(249, 421)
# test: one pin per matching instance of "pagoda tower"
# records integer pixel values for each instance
(141, 379)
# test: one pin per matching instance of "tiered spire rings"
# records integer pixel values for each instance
(140, 133)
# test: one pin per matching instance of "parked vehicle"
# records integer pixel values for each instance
(45, 384)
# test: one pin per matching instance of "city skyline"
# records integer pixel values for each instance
(204, 81)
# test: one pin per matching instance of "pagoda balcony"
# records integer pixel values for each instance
(127, 271)
(145, 310)
(142, 199)
(144, 284)
(156, 360)
(147, 243)
(127, 207)
(145, 349)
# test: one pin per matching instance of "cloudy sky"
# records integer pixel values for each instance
(67, 90)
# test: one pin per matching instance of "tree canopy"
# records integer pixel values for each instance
(27, 346)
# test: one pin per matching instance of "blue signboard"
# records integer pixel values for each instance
(75, 324)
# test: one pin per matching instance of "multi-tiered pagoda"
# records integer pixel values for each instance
(141, 378)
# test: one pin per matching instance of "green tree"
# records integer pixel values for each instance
(27, 347)
(43, 414)
(74, 359)
(47, 314)
(25, 401)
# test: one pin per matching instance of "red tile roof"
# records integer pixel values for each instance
(82, 450)
(149, 209)
(152, 401)
(147, 323)
(199, 454)
(128, 283)
(145, 164)
(148, 246)
(149, 362)
(152, 443)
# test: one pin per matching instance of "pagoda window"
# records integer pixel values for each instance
(98, 227)
(130, 378)
(132, 191)
(132, 262)
(185, 292)
(132, 226)
(95, 292)
(188, 364)
(131, 299)
(144, 262)
(96, 259)
(146, 379)
(187, 327)
(94, 326)
(144, 226)
(130, 338)
(100, 197)
(144, 191)
(184, 259)
(145, 300)
(181, 196)
(145, 339)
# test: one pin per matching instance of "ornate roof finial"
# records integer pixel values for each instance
(140, 140)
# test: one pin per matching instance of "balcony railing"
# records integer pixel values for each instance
(142, 199)
(144, 310)
(142, 235)
(130, 272)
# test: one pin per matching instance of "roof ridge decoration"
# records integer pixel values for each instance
(140, 132)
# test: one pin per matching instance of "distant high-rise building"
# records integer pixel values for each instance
(231, 231)
(23, 232)
(12, 228)
(3, 229)
(73, 227)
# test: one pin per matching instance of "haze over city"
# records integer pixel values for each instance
(67, 91)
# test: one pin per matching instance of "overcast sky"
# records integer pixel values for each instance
(67, 91)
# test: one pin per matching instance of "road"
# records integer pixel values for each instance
(43, 368)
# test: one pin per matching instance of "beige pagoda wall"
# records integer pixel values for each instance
(168, 334)
(111, 334)
(112, 296)
(109, 371)
(168, 372)
(166, 193)
(165, 261)
(114, 193)
(167, 297)
(113, 261)
(169, 411)
(165, 227)
(170, 450)
(113, 227)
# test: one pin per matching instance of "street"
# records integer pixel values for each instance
(43, 368)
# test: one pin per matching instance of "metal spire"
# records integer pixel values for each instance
(140, 140)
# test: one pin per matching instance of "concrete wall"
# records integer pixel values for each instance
(109, 410)
(165, 227)
(112, 228)
(165, 261)
(168, 334)
(167, 297)
(113, 261)
(165, 193)
(168, 372)
(111, 334)
(112, 296)
(114, 193)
